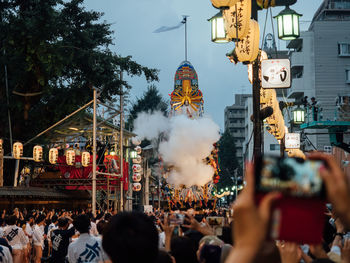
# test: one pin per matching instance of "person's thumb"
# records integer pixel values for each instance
(265, 205)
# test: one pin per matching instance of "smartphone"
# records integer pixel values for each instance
(215, 220)
(298, 215)
(176, 219)
(291, 176)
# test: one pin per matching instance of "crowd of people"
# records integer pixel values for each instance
(235, 235)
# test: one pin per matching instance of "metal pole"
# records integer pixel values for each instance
(256, 95)
(185, 19)
(94, 155)
(147, 185)
(121, 143)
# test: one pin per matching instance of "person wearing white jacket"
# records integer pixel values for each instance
(38, 238)
(16, 238)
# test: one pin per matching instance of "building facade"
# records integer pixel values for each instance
(320, 61)
(235, 123)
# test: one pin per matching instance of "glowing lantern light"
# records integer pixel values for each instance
(223, 4)
(53, 155)
(241, 11)
(288, 24)
(37, 153)
(298, 116)
(136, 168)
(17, 150)
(218, 32)
(85, 159)
(136, 177)
(136, 187)
(70, 157)
(137, 160)
(247, 49)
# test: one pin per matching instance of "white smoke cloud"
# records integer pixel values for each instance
(150, 126)
(189, 141)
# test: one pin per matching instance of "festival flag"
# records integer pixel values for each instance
(169, 28)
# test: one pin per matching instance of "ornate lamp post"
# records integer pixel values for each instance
(298, 115)
(218, 32)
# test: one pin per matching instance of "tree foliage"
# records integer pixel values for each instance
(227, 160)
(150, 101)
(55, 51)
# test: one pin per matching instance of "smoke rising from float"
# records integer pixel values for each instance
(187, 143)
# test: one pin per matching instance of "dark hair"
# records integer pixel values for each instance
(62, 222)
(183, 250)
(82, 223)
(108, 217)
(40, 219)
(11, 220)
(101, 225)
(163, 257)
(210, 254)
(131, 237)
(54, 218)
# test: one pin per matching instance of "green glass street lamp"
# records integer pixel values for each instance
(218, 32)
(299, 115)
(288, 24)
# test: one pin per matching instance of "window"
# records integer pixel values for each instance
(274, 147)
(297, 72)
(347, 72)
(344, 49)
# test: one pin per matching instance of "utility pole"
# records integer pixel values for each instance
(94, 126)
(256, 95)
(121, 143)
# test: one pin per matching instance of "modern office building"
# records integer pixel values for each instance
(320, 61)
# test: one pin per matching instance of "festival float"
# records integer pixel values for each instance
(187, 99)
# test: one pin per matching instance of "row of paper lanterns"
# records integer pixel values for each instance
(276, 123)
(137, 170)
(53, 154)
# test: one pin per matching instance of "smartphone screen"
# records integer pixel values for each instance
(176, 219)
(291, 176)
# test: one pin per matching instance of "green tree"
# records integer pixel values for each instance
(55, 51)
(227, 161)
(150, 101)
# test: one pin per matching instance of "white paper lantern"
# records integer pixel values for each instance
(137, 160)
(53, 155)
(85, 159)
(247, 49)
(136, 168)
(136, 141)
(70, 157)
(136, 177)
(138, 149)
(136, 187)
(240, 12)
(38, 153)
(17, 150)
(223, 3)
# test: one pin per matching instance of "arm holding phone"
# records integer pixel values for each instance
(250, 221)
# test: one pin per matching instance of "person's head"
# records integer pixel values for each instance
(209, 254)
(40, 220)
(30, 220)
(63, 223)
(183, 250)
(101, 225)
(313, 99)
(131, 237)
(82, 223)
(11, 220)
(54, 219)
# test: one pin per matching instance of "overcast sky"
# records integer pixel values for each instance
(133, 22)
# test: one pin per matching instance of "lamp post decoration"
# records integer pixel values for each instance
(37, 153)
(218, 32)
(136, 168)
(288, 24)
